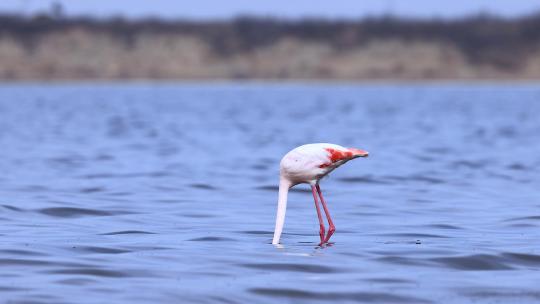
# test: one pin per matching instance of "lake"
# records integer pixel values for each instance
(167, 192)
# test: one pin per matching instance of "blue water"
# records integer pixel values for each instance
(166, 193)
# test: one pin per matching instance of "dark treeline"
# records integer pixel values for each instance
(481, 38)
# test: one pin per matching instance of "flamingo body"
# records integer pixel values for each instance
(308, 164)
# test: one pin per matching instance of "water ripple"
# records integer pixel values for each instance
(92, 189)
(413, 235)
(125, 175)
(364, 180)
(308, 268)
(13, 208)
(444, 226)
(523, 258)
(127, 232)
(97, 272)
(401, 260)
(203, 186)
(501, 295)
(211, 239)
(106, 250)
(74, 212)
(122, 193)
(525, 218)
(20, 252)
(257, 232)
(368, 297)
(474, 262)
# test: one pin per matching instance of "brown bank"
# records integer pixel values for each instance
(481, 47)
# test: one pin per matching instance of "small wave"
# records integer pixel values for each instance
(424, 158)
(68, 161)
(211, 239)
(364, 180)
(518, 167)
(507, 131)
(260, 167)
(522, 225)
(34, 188)
(106, 250)
(13, 208)
(444, 226)
(170, 201)
(427, 179)
(126, 175)
(474, 262)
(415, 178)
(439, 150)
(91, 189)
(223, 299)
(402, 260)
(19, 252)
(396, 178)
(258, 232)
(98, 272)
(77, 281)
(203, 186)
(119, 193)
(469, 164)
(127, 232)
(499, 295)
(413, 235)
(525, 218)
(23, 262)
(308, 268)
(73, 212)
(390, 281)
(372, 297)
(421, 200)
(268, 188)
(197, 215)
(523, 258)
(7, 289)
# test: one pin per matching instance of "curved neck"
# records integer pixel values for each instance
(284, 186)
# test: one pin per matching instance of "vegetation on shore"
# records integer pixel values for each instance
(477, 47)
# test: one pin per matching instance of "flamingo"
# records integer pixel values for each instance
(308, 164)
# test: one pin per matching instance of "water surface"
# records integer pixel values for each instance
(166, 193)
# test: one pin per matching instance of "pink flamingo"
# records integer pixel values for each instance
(308, 164)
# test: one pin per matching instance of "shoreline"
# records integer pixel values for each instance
(276, 82)
(476, 49)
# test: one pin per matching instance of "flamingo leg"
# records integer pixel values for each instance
(321, 223)
(332, 228)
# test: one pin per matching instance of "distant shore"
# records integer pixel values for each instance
(480, 48)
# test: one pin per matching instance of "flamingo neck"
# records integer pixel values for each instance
(284, 186)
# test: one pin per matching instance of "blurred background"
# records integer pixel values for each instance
(343, 40)
(130, 175)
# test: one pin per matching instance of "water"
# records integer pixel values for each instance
(147, 193)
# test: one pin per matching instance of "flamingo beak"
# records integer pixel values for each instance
(359, 152)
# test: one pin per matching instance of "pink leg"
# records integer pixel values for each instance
(321, 223)
(332, 228)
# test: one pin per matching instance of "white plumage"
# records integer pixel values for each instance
(308, 164)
